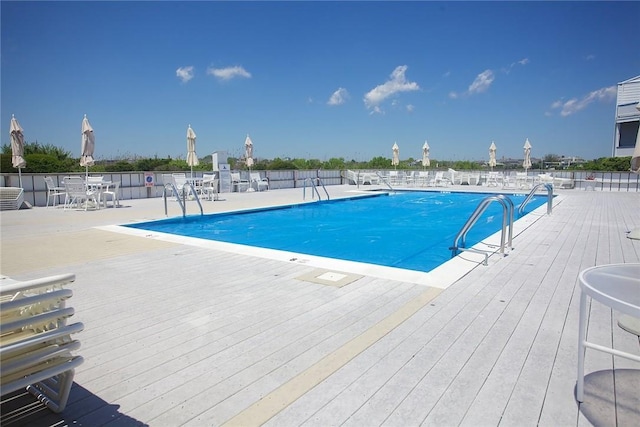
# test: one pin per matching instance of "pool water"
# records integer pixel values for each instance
(409, 230)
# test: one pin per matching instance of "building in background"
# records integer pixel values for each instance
(627, 117)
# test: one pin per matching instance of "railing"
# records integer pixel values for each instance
(507, 219)
(549, 188)
(314, 188)
(183, 202)
(386, 181)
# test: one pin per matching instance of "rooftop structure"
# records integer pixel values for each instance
(627, 119)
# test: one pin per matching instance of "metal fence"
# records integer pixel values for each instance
(142, 185)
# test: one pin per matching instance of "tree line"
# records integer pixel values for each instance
(47, 158)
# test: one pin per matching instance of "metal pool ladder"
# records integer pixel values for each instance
(385, 181)
(314, 188)
(549, 188)
(183, 202)
(507, 221)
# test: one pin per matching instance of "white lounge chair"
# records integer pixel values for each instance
(396, 178)
(36, 345)
(53, 191)
(11, 198)
(440, 180)
(258, 181)
(494, 179)
(509, 182)
(422, 179)
(43, 365)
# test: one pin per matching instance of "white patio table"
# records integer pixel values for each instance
(616, 286)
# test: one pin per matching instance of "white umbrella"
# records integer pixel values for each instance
(192, 158)
(248, 152)
(492, 155)
(395, 161)
(248, 159)
(635, 157)
(17, 147)
(526, 164)
(88, 146)
(425, 155)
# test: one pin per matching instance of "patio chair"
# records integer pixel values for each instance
(180, 181)
(396, 178)
(112, 191)
(238, 183)
(167, 179)
(53, 191)
(509, 182)
(78, 194)
(410, 178)
(258, 181)
(494, 179)
(423, 178)
(440, 180)
(209, 186)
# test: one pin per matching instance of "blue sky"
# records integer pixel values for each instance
(319, 79)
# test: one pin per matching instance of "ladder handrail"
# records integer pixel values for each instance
(482, 206)
(182, 203)
(549, 188)
(385, 181)
(314, 188)
(512, 209)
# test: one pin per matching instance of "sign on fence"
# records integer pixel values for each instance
(148, 179)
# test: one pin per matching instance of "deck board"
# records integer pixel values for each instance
(187, 335)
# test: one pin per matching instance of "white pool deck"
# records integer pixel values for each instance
(178, 333)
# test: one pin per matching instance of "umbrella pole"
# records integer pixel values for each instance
(86, 173)
(20, 176)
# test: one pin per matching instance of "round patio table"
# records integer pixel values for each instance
(616, 286)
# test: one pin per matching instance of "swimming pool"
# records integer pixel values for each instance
(407, 230)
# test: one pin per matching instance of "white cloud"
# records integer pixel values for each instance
(339, 97)
(590, 57)
(574, 105)
(482, 82)
(228, 73)
(410, 108)
(523, 62)
(185, 73)
(397, 83)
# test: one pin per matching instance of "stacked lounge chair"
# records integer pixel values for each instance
(35, 340)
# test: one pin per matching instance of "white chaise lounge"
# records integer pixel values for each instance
(35, 340)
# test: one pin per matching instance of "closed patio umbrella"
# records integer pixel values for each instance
(248, 152)
(425, 155)
(17, 147)
(492, 155)
(635, 157)
(526, 164)
(192, 157)
(248, 158)
(88, 146)
(395, 161)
